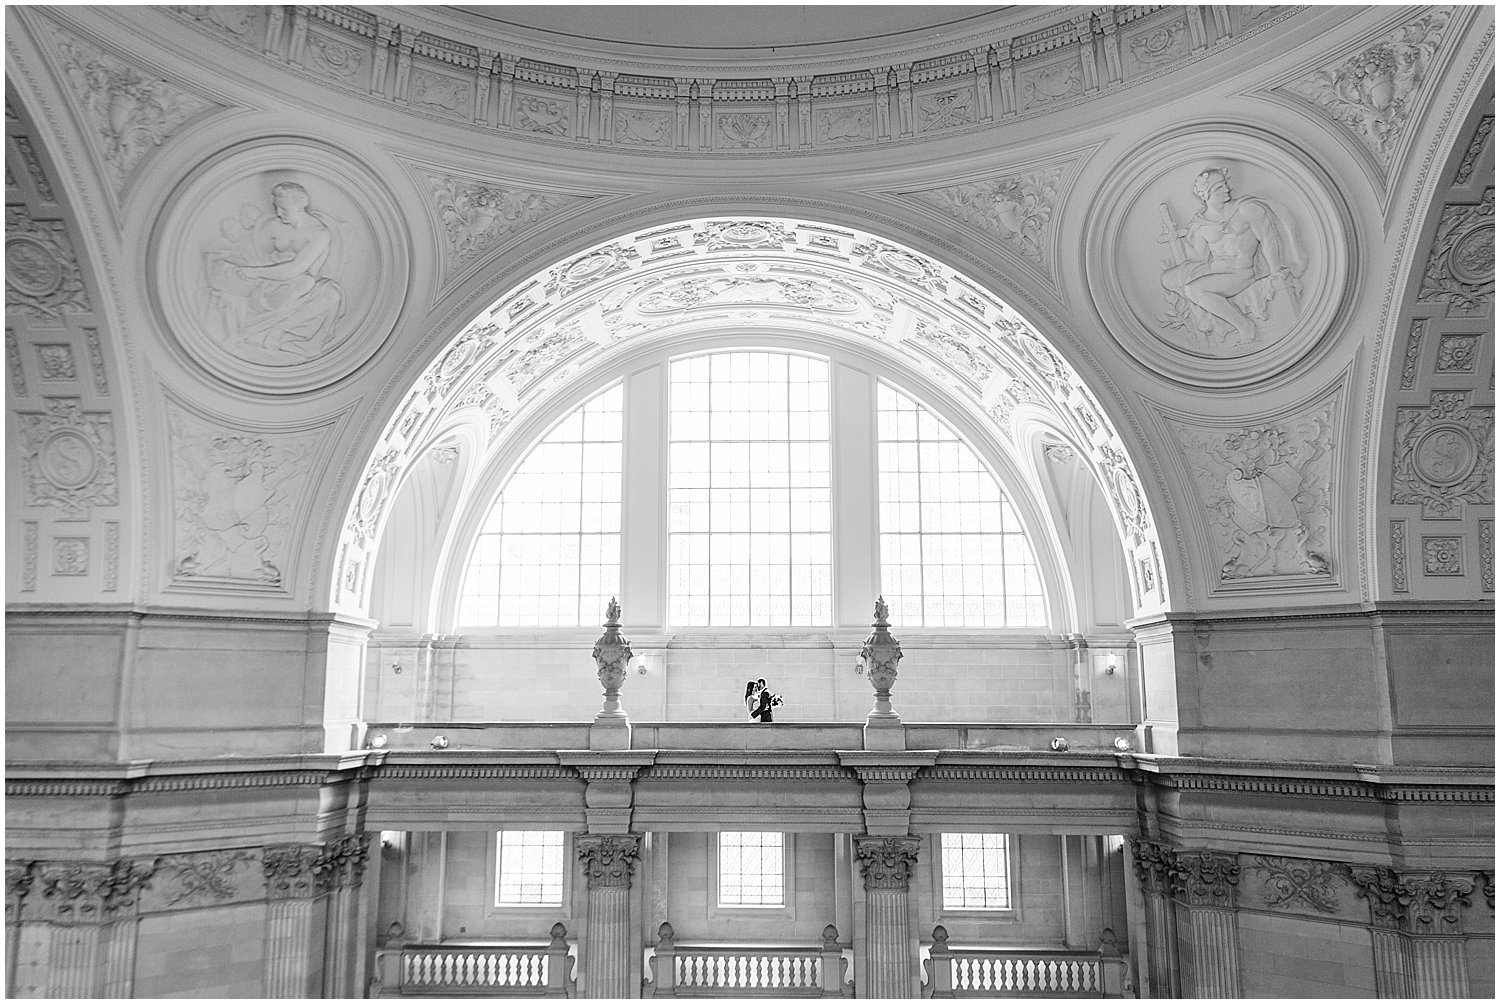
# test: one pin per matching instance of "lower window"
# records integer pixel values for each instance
(752, 870)
(529, 868)
(976, 871)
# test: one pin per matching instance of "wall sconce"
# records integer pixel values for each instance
(1122, 745)
(378, 742)
(1060, 745)
(439, 742)
(859, 665)
(396, 666)
(1109, 665)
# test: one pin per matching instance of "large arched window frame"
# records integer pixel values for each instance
(644, 578)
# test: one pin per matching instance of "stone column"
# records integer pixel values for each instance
(608, 864)
(92, 911)
(296, 911)
(341, 867)
(1204, 882)
(1417, 930)
(886, 864)
(1153, 868)
(18, 880)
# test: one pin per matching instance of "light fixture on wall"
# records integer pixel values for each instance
(1109, 665)
(378, 742)
(1122, 745)
(439, 742)
(1060, 745)
(396, 666)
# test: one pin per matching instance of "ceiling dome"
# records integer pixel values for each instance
(755, 31)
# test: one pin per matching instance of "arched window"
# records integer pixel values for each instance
(736, 511)
(549, 551)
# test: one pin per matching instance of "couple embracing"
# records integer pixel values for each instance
(759, 701)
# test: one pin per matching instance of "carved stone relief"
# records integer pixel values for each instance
(1293, 883)
(1458, 353)
(236, 497)
(96, 361)
(334, 59)
(1413, 353)
(643, 127)
(282, 268)
(1266, 490)
(130, 112)
(1162, 44)
(55, 361)
(242, 23)
(441, 93)
(1046, 85)
(111, 555)
(13, 363)
(1461, 265)
(1017, 209)
(1373, 94)
(1444, 455)
(850, 123)
(887, 862)
(1221, 256)
(210, 878)
(947, 109)
(1398, 556)
(1487, 555)
(34, 168)
(70, 555)
(1476, 147)
(69, 892)
(1443, 555)
(41, 272)
(1423, 903)
(744, 131)
(479, 216)
(68, 458)
(538, 114)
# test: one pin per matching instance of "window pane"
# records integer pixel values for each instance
(749, 491)
(529, 868)
(751, 870)
(976, 871)
(952, 551)
(549, 551)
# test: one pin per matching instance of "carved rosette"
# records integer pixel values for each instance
(608, 859)
(1419, 904)
(1444, 455)
(291, 871)
(1154, 863)
(90, 893)
(887, 862)
(41, 271)
(1205, 878)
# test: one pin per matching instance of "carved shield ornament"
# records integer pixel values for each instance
(281, 268)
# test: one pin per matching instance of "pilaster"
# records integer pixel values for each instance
(1153, 868)
(1204, 883)
(89, 913)
(296, 911)
(886, 864)
(609, 862)
(1417, 931)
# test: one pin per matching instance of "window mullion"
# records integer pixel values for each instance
(856, 537)
(643, 552)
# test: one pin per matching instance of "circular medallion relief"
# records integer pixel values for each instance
(68, 460)
(1473, 257)
(31, 266)
(371, 495)
(1445, 455)
(1216, 258)
(281, 267)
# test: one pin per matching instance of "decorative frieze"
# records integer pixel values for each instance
(1292, 883)
(887, 862)
(203, 879)
(1487, 555)
(1413, 353)
(1444, 455)
(1476, 147)
(96, 361)
(608, 860)
(1398, 556)
(1461, 264)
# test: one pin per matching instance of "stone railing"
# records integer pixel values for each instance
(747, 970)
(1001, 972)
(477, 970)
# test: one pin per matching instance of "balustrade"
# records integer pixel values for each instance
(476, 970)
(747, 970)
(975, 972)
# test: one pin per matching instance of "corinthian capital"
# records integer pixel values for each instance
(609, 859)
(886, 862)
(1206, 878)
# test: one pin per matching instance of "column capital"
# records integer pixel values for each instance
(608, 858)
(18, 881)
(1206, 878)
(887, 862)
(341, 865)
(1153, 864)
(290, 871)
(1422, 903)
(79, 892)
